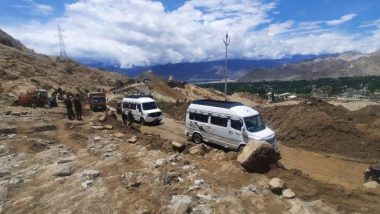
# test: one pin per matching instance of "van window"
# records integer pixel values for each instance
(132, 106)
(254, 123)
(149, 106)
(201, 117)
(219, 121)
(125, 105)
(139, 107)
(191, 115)
(236, 124)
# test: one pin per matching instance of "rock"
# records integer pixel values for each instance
(178, 146)
(15, 114)
(371, 185)
(199, 182)
(15, 180)
(120, 135)
(203, 198)
(133, 139)
(102, 118)
(200, 149)
(64, 170)
(202, 209)
(97, 138)
(4, 173)
(65, 160)
(91, 174)
(8, 112)
(109, 127)
(87, 184)
(159, 163)
(257, 156)
(180, 204)
(170, 176)
(288, 193)
(11, 136)
(248, 191)
(143, 211)
(276, 185)
(98, 127)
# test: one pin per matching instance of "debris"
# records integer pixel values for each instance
(109, 127)
(257, 156)
(87, 184)
(180, 204)
(4, 173)
(91, 174)
(203, 198)
(288, 193)
(120, 135)
(133, 139)
(276, 185)
(202, 209)
(65, 160)
(170, 176)
(159, 163)
(14, 181)
(15, 113)
(64, 170)
(178, 146)
(200, 149)
(98, 127)
(97, 138)
(371, 185)
(102, 118)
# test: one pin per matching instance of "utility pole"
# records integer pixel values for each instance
(226, 42)
(62, 52)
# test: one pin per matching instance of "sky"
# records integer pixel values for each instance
(150, 32)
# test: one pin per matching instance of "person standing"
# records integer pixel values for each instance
(78, 107)
(130, 118)
(69, 107)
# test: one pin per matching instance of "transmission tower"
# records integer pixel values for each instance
(226, 42)
(62, 52)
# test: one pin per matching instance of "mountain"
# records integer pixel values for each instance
(203, 71)
(21, 69)
(343, 65)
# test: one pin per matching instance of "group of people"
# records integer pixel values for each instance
(76, 102)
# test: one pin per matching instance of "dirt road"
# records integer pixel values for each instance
(328, 169)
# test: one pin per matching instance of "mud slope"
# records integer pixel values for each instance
(321, 127)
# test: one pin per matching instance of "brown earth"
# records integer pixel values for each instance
(322, 127)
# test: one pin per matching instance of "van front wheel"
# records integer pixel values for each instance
(197, 138)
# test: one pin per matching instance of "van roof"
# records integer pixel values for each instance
(140, 99)
(217, 103)
(223, 107)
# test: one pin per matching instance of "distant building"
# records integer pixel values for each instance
(321, 92)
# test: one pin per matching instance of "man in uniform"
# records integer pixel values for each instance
(78, 107)
(69, 107)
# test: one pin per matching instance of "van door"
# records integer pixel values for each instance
(135, 112)
(219, 130)
(234, 131)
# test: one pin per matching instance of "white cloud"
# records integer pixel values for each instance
(36, 8)
(141, 32)
(342, 19)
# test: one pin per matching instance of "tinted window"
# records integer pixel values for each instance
(149, 106)
(132, 106)
(219, 121)
(125, 105)
(201, 117)
(236, 124)
(139, 107)
(191, 116)
(254, 123)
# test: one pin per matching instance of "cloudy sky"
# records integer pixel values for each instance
(147, 32)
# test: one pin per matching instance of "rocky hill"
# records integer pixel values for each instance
(344, 65)
(21, 69)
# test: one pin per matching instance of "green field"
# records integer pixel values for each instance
(301, 88)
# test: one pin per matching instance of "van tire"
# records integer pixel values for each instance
(240, 148)
(197, 138)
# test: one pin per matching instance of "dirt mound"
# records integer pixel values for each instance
(175, 110)
(367, 114)
(319, 126)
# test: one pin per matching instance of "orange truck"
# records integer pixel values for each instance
(97, 101)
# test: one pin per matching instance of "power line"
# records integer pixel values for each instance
(62, 52)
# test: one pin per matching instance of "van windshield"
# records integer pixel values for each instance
(254, 123)
(98, 99)
(149, 106)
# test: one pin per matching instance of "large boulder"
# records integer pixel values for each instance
(200, 149)
(257, 156)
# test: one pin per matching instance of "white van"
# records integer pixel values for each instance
(143, 109)
(229, 124)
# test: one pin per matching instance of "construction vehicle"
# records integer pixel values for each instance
(97, 101)
(33, 98)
